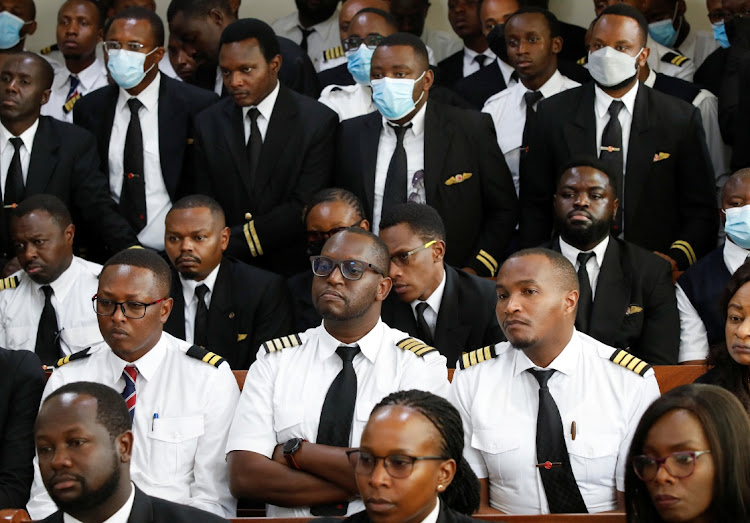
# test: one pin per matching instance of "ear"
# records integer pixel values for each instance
(643, 57)
(570, 302)
(69, 233)
(165, 309)
(438, 251)
(275, 64)
(125, 446)
(45, 96)
(100, 35)
(365, 224)
(158, 54)
(384, 287)
(446, 473)
(225, 232)
(30, 29)
(681, 8)
(615, 205)
(557, 44)
(428, 80)
(216, 17)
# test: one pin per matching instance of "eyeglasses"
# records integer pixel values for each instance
(135, 310)
(112, 45)
(397, 466)
(350, 269)
(353, 42)
(316, 236)
(745, 13)
(717, 16)
(402, 259)
(677, 464)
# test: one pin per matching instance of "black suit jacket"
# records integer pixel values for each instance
(338, 75)
(21, 384)
(446, 515)
(451, 69)
(669, 197)
(635, 306)
(479, 212)
(64, 163)
(148, 509)
(466, 319)
(179, 103)
(295, 163)
(481, 85)
(574, 42)
(248, 307)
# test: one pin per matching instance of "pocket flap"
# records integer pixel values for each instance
(494, 441)
(595, 446)
(177, 430)
(286, 417)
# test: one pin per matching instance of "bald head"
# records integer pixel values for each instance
(736, 191)
(351, 8)
(562, 271)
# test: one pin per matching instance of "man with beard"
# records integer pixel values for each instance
(551, 396)
(220, 303)
(314, 27)
(626, 299)
(84, 441)
(307, 397)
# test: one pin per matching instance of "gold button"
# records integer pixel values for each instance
(248, 216)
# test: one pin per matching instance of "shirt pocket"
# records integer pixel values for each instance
(78, 338)
(596, 456)
(287, 422)
(20, 338)
(173, 443)
(501, 452)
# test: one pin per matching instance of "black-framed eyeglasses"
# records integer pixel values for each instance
(745, 13)
(717, 16)
(397, 466)
(135, 310)
(350, 269)
(402, 259)
(113, 45)
(316, 236)
(353, 42)
(677, 464)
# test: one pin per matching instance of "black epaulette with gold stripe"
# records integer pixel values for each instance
(630, 362)
(414, 345)
(47, 50)
(475, 357)
(285, 342)
(583, 60)
(251, 236)
(73, 357)
(11, 282)
(675, 59)
(199, 353)
(333, 53)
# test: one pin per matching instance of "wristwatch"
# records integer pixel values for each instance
(289, 449)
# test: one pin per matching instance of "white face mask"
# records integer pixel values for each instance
(609, 67)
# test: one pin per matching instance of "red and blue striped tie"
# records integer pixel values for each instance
(129, 374)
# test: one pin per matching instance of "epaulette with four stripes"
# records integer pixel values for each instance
(414, 345)
(476, 357)
(630, 362)
(284, 342)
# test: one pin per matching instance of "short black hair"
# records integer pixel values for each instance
(334, 194)
(385, 15)
(408, 40)
(145, 259)
(552, 22)
(423, 220)
(587, 160)
(378, 248)
(191, 8)
(564, 272)
(630, 12)
(246, 28)
(111, 410)
(199, 201)
(141, 13)
(48, 203)
(46, 72)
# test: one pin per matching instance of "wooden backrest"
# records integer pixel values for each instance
(546, 518)
(14, 515)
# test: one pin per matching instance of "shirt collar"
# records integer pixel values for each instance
(121, 515)
(471, 54)
(734, 255)
(435, 299)
(571, 253)
(550, 88)
(603, 100)
(27, 136)
(265, 107)
(417, 122)
(432, 517)
(566, 362)
(62, 285)
(369, 344)
(147, 364)
(505, 70)
(324, 28)
(149, 97)
(651, 79)
(189, 285)
(88, 77)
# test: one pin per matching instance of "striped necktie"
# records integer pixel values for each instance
(73, 94)
(129, 374)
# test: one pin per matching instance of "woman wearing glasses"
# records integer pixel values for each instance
(689, 460)
(409, 466)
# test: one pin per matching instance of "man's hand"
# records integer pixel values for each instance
(676, 272)
(278, 455)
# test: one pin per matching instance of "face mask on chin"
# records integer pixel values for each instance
(611, 68)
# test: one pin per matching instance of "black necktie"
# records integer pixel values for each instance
(395, 182)
(200, 332)
(586, 296)
(47, 341)
(611, 153)
(425, 334)
(336, 417)
(481, 60)
(531, 98)
(305, 34)
(133, 194)
(559, 482)
(14, 186)
(254, 144)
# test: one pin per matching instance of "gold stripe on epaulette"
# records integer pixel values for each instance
(687, 249)
(11, 282)
(333, 53)
(489, 258)
(416, 346)
(70, 103)
(475, 357)
(625, 359)
(679, 60)
(284, 342)
(73, 357)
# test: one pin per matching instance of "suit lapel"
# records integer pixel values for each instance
(106, 123)
(142, 509)
(449, 331)
(612, 292)
(221, 298)
(277, 136)
(44, 157)
(580, 134)
(176, 321)
(438, 133)
(234, 134)
(172, 137)
(640, 161)
(368, 145)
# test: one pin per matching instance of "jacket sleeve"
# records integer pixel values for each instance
(660, 336)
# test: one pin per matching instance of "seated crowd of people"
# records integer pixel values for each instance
(447, 264)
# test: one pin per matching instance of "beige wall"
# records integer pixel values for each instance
(575, 11)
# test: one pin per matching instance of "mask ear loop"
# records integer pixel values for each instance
(674, 16)
(423, 91)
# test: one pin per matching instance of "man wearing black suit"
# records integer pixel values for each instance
(447, 308)
(92, 482)
(44, 155)
(21, 385)
(263, 152)
(152, 138)
(627, 299)
(655, 141)
(416, 150)
(220, 303)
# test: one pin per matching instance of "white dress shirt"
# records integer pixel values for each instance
(499, 401)
(442, 43)
(349, 101)
(325, 35)
(7, 151)
(91, 79)
(693, 335)
(685, 71)
(432, 517)
(284, 391)
(121, 516)
(508, 111)
(191, 299)
(158, 202)
(265, 108)
(470, 63)
(21, 309)
(698, 45)
(414, 147)
(178, 455)
(593, 266)
(433, 302)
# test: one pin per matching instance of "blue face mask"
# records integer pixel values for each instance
(10, 30)
(737, 225)
(664, 31)
(720, 34)
(358, 63)
(393, 96)
(126, 67)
